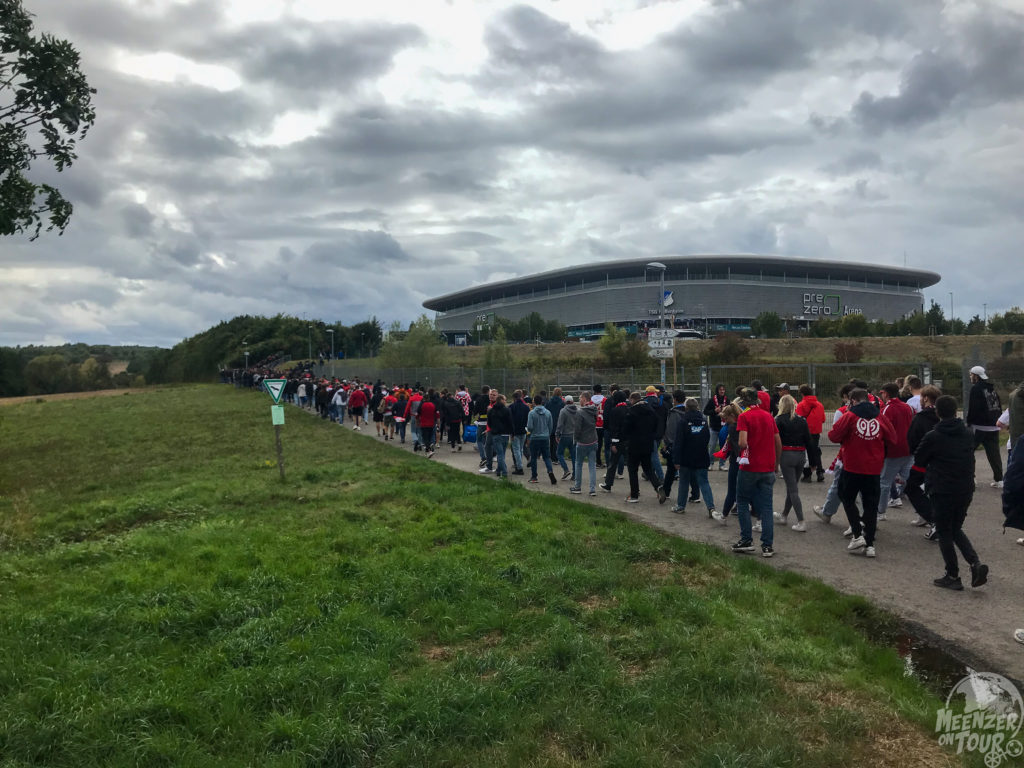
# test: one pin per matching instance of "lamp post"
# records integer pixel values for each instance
(985, 310)
(309, 337)
(661, 302)
(245, 346)
(362, 346)
(951, 306)
(331, 331)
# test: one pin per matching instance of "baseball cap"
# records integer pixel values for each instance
(568, 398)
(980, 372)
(651, 390)
(783, 385)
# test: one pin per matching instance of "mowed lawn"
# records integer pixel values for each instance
(166, 600)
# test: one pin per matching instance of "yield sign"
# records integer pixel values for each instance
(275, 387)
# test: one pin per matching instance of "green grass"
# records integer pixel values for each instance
(166, 600)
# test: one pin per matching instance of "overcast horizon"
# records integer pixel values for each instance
(345, 160)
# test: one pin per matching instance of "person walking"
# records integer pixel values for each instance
(585, 439)
(426, 420)
(898, 459)
(828, 509)
(690, 456)
(454, 415)
(863, 435)
(640, 430)
(554, 404)
(566, 426)
(597, 400)
(983, 410)
(499, 425)
(481, 407)
(760, 452)
(713, 410)
(924, 422)
(947, 456)
(653, 398)
(616, 408)
(520, 413)
(812, 411)
(538, 424)
(730, 452)
(796, 442)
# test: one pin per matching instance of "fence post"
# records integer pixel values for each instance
(705, 383)
(926, 373)
(632, 379)
(591, 379)
(812, 377)
(504, 380)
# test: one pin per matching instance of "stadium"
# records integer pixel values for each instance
(707, 293)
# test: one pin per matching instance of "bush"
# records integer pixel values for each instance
(727, 349)
(848, 352)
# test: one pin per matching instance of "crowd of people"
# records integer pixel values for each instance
(902, 440)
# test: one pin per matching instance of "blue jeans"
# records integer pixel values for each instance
(540, 447)
(518, 441)
(586, 453)
(892, 467)
(831, 505)
(499, 443)
(754, 489)
(566, 444)
(656, 463)
(702, 482)
(481, 442)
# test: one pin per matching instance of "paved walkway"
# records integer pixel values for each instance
(977, 624)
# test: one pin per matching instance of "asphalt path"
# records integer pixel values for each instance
(975, 625)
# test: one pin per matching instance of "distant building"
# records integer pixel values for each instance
(716, 293)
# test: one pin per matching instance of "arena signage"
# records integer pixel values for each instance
(828, 304)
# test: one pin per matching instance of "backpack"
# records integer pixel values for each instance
(382, 406)
(993, 403)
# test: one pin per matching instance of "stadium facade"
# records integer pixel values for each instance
(710, 293)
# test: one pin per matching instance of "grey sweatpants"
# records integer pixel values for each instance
(792, 465)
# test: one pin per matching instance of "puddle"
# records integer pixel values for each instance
(936, 668)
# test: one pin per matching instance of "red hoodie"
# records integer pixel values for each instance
(428, 414)
(357, 400)
(813, 411)
(864, 436)
(765, 401)
(899, 415)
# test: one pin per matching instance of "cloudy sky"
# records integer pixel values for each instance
(346, 159)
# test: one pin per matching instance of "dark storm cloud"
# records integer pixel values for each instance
(138, 221)
(986, 65)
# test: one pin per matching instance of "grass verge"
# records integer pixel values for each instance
(165, 600)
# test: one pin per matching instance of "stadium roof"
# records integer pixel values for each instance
(773, 265)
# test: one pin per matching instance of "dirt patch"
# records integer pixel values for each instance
(437, 653)
(593, 603)
(893, 742)
(442, 653)
(691, 575)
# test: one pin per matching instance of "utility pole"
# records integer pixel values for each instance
(331, 331)
(309, 337)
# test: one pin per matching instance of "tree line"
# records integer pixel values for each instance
(932, 321)
(49, 370)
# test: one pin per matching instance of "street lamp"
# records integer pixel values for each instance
(661, 301)
(951, 306)
(309, 337)
(985, 310)
(362, 347)
(245, 346)
(331, 331)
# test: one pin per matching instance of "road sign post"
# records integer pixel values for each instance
(275, 388)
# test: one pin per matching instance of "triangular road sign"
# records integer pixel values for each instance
(276, 388)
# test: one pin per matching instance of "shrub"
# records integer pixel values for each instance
(727, 349)
(848, 351)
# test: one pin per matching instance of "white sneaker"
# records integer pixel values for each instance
(881, 517)
(856, 543)
(799, 527)
(848, 532)
(869, 551)
(896, 502)
(756, 526)
(779, 517)
(997, 484)
(716, 515)
(919, 522)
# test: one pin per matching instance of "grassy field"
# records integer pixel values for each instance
(165, 600)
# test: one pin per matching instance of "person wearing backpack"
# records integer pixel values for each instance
(983, 410)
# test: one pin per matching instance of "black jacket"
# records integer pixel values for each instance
(794, 431)
(947, 456)
(661, 412)
(555, 404)
(641, 427)
(923, 422)
(480, 405)
(615, 421)
(451, 410)
(500, 420)
(1013, 488)
(690, 443)
(711, 411)
(978, 414)
(520, 413)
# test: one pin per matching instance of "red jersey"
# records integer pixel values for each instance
(761, 431)
(899, 415)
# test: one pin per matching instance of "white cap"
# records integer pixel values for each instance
(568, 398)
(979, 372)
